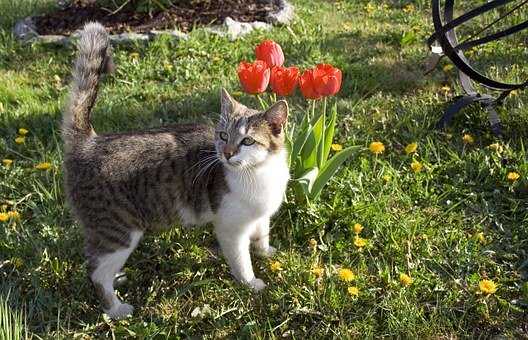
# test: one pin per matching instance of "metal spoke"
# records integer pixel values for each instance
(495, 21)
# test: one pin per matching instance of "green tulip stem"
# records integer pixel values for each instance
(261, 101)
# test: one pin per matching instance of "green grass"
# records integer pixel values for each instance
(11, 322)
(424, 224)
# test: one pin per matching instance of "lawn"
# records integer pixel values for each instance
(448, 227)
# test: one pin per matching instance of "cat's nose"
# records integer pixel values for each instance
(229, 151)
(228, 154)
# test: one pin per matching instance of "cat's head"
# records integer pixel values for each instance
(244, 137)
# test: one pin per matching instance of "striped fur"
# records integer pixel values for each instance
(123, 185)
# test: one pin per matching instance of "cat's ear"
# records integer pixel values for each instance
(227, 103)
(276, 116)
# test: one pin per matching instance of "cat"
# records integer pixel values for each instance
(121, 185)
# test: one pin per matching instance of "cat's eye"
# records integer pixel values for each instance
(247, 141)
(223, 136)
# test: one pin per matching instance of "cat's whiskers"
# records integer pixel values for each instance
(202, 170)
(211, 168)
(207, 168)
(201, 162)
(248, 180)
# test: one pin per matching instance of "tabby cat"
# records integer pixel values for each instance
(121, 185)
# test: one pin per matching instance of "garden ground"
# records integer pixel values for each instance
(448, 227)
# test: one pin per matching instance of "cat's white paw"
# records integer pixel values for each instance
(256, 284)
(266, 252)
(120, 311)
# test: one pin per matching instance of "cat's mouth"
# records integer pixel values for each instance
(233, 164)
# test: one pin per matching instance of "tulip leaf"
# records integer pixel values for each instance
(309, 152)
(329, 170)
(302, 136)
(321, 142)
(329, 133)
(310, 149)
(308, 179)
(289, 148)
(316, 118)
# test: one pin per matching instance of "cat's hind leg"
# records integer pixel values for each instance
(104, 265)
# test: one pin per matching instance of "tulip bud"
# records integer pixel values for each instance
(307, 85)
(270, 52)
(254, 77)
(327, 79)
(284, 80)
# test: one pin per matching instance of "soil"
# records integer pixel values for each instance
(134, 17)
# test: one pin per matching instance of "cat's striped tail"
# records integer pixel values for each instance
(92, 61)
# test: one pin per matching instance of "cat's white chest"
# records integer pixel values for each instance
(261, 191)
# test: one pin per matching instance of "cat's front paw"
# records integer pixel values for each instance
(120, 311)
(266, 252)
(256, 284)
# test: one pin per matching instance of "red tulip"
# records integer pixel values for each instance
(270, 52)
(327, 79)
(283, 80)
(254, 77)
(307, 85)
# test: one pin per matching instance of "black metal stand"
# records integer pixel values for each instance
(444, 42)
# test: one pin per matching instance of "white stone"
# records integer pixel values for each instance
(25, 29)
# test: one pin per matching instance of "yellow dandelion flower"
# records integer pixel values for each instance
(447, 68)
(17, 262)
(408, 8)
(376, 148)
(468, 139)
(513, 176)
(23, 131)
(347, 26)
(134, 55)
(496, 147)
(336, 147)
(370, 8)
(487, 286)
(312, 243)
(7, 162)
(358, 228)
(386, 178)
(20, 140)
(345, 274)
(446, 88)
(353, 291)
(4, 217)
(14, 214)
(43, 166)
(405, 279)
(168, 66)
(480, 238)
(360, 242)
(514, 92)
(411, 148)
(317, 271)
(275, 266)
(416, 166)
